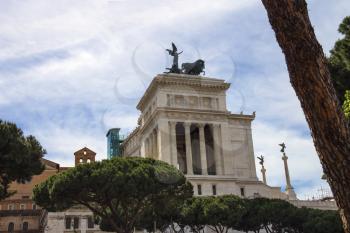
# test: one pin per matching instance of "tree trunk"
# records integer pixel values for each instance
(311, 81)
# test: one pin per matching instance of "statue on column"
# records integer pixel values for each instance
(263, 170)
(175, 67)
(261, 160)
(283, 147)
(289, 188)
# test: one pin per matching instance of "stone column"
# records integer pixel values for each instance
(217, 149)
(203, 150)
(154, 139)
(150, 153)
(289, 189)
(173, 144)
(263, 172)
(189, 161)
(163, 133)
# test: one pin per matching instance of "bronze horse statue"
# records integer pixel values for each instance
(195, 68)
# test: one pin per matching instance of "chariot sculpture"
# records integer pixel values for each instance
(194, 68)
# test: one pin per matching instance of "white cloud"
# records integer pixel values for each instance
(62, 142)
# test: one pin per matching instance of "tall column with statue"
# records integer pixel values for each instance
(289, 188)
(263, 170)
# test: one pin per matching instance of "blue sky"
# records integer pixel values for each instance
(71, 70)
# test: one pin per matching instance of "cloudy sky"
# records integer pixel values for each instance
(69, 70)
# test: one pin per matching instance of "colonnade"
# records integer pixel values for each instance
(194, 148)
(201, 147)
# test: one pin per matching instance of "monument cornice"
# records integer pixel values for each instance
(209, 112)
(236, 179)
(181, 80)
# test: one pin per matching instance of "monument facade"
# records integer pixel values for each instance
(184, 121)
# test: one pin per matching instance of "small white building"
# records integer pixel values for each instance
(77, 219)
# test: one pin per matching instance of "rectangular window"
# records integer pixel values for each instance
(34, 206)
(68, 222)
(90, 222)
(242, 192)
(199, 189)
(11, 207)
(25, 197)
(214, 189)
(25, 226)
(22, 206)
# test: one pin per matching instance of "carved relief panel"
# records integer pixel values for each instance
(192, 102)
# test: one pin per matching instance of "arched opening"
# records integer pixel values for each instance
(11, 227)
(181, 147)
(25, 226)
(196, 155)
(80, 160)
(88, 161)
(209, 147)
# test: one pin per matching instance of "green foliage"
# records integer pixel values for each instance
(128, 193)
(121, 191)
(339, 61)
(253, 218)
(223, 212)
(19, 157)
(346, 104)
(192, 214)
(322, 221)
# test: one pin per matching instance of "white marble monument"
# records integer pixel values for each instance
(184, 121)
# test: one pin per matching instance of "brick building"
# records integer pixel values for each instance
(19, 213)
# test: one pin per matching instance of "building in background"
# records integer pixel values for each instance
(113, 143)
(78, 218)
(84, 155)
(19, 213)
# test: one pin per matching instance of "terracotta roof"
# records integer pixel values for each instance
(49, 163)
(85, 149)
